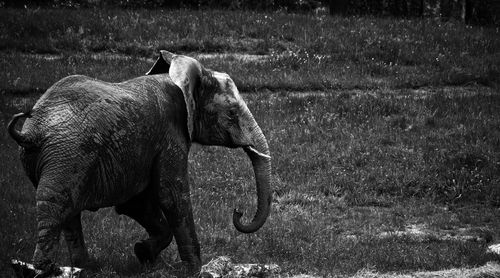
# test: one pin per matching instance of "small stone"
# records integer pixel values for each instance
(224, 267)
(26, 270)
(495, 249)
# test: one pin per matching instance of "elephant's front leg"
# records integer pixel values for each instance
(73, 235)
(176, 205)
(180, 218)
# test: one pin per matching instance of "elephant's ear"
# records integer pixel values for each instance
(161, 65)
(185, 72)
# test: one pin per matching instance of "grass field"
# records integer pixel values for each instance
(304, 52)
(377, 127)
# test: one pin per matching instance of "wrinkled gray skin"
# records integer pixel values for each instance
(89, 144)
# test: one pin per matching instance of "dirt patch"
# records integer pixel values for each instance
(420, 93)
(421, 233)
(243, 57)
(490, 270)
(94, 56)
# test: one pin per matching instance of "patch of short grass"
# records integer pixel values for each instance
(26, 74)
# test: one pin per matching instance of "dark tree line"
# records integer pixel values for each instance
(263, 5)
(469, 11)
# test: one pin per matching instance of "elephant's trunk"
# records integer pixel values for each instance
(261, 161)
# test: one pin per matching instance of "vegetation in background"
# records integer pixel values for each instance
(469, 11)
(297, 52)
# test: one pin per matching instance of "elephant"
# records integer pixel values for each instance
(88, 144)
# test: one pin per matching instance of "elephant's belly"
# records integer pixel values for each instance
(116, 162)
(112, 184)
(113, 195)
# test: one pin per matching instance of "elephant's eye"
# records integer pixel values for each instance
(232, 116)
(233, 113)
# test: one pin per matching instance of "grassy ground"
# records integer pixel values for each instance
(348, 167)
(367, 156)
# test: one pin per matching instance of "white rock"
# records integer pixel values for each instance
(223, 266)
(26, 270)
(494, 249)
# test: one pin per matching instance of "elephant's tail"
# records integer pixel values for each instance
(22, 139)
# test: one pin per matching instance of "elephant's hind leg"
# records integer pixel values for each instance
(54, 208)
(73, 235)
(146, 211)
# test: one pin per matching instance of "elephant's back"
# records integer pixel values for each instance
(78, 101)
(79, 108)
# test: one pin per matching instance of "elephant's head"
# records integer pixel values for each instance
(217, 115)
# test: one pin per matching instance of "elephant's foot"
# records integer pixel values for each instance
(194, 268)
(80, 259)
(145, 251)
(47, 269)
(186, 269)
(190, 258)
